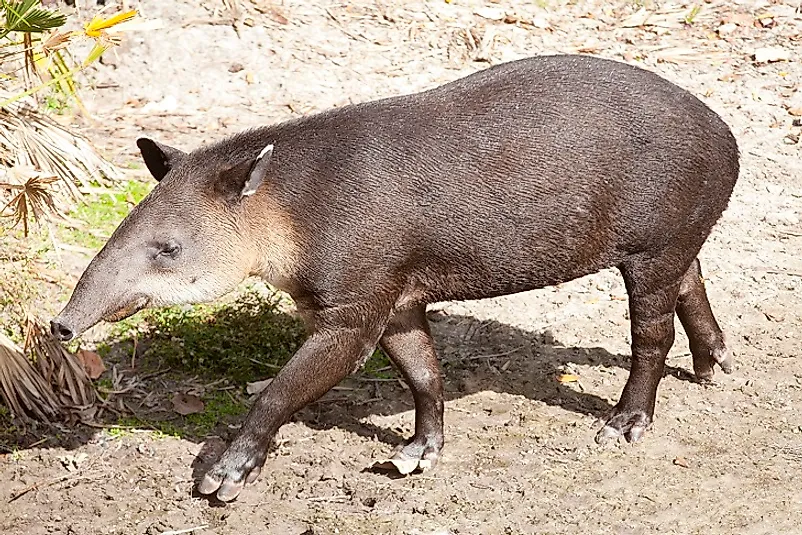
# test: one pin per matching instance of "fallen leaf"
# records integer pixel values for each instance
(729, 77)
(91, 362)
(490, 13)
(681, 461)
(271, 11)
(568, 378)
(637, 19)
(257, 386)
(771, 54)
(73, 462)
(403, 466)
(277, 16)
(185, 404)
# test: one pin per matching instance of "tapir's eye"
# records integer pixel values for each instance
(169, 249)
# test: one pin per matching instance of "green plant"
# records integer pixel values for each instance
(245, 339)
(691, 15)
(99, 217)
(46, 166)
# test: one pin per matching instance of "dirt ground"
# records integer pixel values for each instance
(520, 456)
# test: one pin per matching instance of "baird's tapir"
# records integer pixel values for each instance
(523, 175)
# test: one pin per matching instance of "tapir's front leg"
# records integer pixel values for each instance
(343, 339)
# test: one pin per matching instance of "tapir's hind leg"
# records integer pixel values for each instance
(706, 339)
(653, 286)
(408, 342)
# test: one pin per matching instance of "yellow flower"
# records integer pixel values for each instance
(98, 25)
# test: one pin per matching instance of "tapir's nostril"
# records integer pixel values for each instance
(61, 331)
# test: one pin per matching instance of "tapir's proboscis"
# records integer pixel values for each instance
(521, 176)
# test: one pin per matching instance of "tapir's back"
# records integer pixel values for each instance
(523, 175)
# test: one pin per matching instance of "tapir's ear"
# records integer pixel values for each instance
(242, 180)
(158, 157)
(258, 172)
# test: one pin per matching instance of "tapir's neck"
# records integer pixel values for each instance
(272, 237)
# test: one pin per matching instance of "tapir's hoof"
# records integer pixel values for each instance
(417, 454)
(228, 476)
(629, 424)
(703, 365)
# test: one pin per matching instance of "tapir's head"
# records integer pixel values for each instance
(186, 242)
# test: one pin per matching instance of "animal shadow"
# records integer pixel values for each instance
(476, 356)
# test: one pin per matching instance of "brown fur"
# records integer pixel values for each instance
(524, 175)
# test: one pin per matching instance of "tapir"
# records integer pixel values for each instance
(520, 176)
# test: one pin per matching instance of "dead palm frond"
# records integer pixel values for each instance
(30, 138)
(32, 197)
(24, 390)
(45, 166)
(60, 369)
(50, 385)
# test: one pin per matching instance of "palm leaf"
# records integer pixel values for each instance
(27, 16)
(43, 166)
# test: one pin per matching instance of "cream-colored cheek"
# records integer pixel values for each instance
(165, 290)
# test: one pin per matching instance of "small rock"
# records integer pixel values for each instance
(767, 22)
(333, 471)
(781, 218)
(772, 54)
(726, 29)
(776, 315)
(541, 23)
(257, 386)
(166, 105)
(236, 67)
(185, 404)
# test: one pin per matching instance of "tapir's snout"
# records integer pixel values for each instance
(61, 330)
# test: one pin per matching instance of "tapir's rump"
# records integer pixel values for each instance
(520, 176)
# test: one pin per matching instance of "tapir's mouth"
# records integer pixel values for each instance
(132, 307)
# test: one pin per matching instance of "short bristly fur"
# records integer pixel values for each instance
(521, 176)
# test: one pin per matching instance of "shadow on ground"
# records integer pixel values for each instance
(213, 355)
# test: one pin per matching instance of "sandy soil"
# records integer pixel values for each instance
(520, 456)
